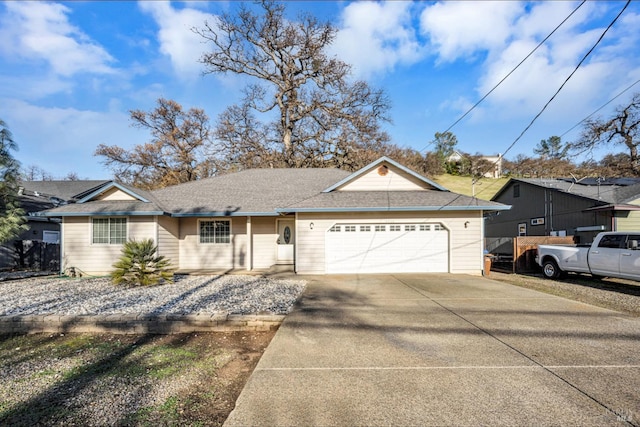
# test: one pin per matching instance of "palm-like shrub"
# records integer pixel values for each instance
(139, 265)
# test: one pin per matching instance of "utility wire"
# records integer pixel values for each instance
(604, 105)
(563, 84)
(512, 70)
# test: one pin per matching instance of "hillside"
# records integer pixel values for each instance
(485, 189)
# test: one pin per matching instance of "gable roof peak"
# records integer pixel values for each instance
(384, 159)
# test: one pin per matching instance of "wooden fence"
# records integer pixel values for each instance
(37, 255)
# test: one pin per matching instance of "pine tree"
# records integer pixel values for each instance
(139, 265)
(12, 221)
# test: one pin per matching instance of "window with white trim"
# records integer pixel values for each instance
(349, 228)
(365, 228)
(425, 227)
(381, 228)
(395, 228)
(335, 229)
(438, 227)
(50, 236)
(410, 227)
(109, 231)
(216, 231)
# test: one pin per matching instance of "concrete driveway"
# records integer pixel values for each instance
(443, 350)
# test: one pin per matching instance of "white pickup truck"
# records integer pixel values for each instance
(612, 254)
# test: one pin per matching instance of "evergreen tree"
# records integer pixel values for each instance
(12, 221)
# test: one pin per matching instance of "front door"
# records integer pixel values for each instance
(286, 239)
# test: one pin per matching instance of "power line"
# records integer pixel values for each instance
(564, 83)
(512, 70)
(604, 105)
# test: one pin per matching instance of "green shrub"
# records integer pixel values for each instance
(139, 265)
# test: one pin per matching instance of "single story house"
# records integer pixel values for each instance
(566, 207)
(383, 218)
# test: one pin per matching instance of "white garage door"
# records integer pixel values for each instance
(387, 248)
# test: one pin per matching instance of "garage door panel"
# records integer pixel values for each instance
(409, 250)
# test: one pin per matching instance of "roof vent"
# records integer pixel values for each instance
(383, 170)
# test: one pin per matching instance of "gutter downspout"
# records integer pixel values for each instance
(249, 245)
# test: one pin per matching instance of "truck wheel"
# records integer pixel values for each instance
(550, 270)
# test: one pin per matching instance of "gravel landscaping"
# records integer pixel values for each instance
(231, 294)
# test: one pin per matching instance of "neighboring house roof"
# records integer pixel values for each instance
(615, 191)
(65, 190)
(270, 192)
(37, 196)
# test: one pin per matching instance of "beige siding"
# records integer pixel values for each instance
(394, 180)
(113, 194)
(466, 243)
(265, 236)
(629, 223)
(198, 256)
(78, 251)
(169, 239)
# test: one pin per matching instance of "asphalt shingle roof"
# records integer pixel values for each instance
(65, 190)
(108, 207)
(269, 192)
(248, 191)
(603, 193)
(398, 200)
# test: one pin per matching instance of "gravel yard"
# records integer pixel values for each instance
(232, 294)
(614, 294)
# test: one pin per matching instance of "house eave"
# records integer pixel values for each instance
(221, 214)
(101, 213)
(613, 207)
(397, 209)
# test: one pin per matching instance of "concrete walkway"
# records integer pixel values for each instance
(443, 350)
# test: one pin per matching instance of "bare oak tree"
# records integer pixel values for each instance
(623, 128)
(177, 152)
(321, 118)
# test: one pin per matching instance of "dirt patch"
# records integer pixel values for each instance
(97, 380)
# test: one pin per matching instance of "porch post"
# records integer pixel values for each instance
(249, 256)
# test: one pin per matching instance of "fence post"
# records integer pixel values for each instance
(515, 254)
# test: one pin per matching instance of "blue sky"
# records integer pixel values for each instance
(71, 71)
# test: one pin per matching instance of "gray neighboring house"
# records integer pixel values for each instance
(37, 196)
(382, 218)
(566, 207)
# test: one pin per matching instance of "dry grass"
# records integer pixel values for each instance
(485, 189)
(132, 380)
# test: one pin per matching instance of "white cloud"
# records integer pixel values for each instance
(176, 38)
(63, 140)
(504, 33)
(375, 37)
(41, 31)
(459, 29)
